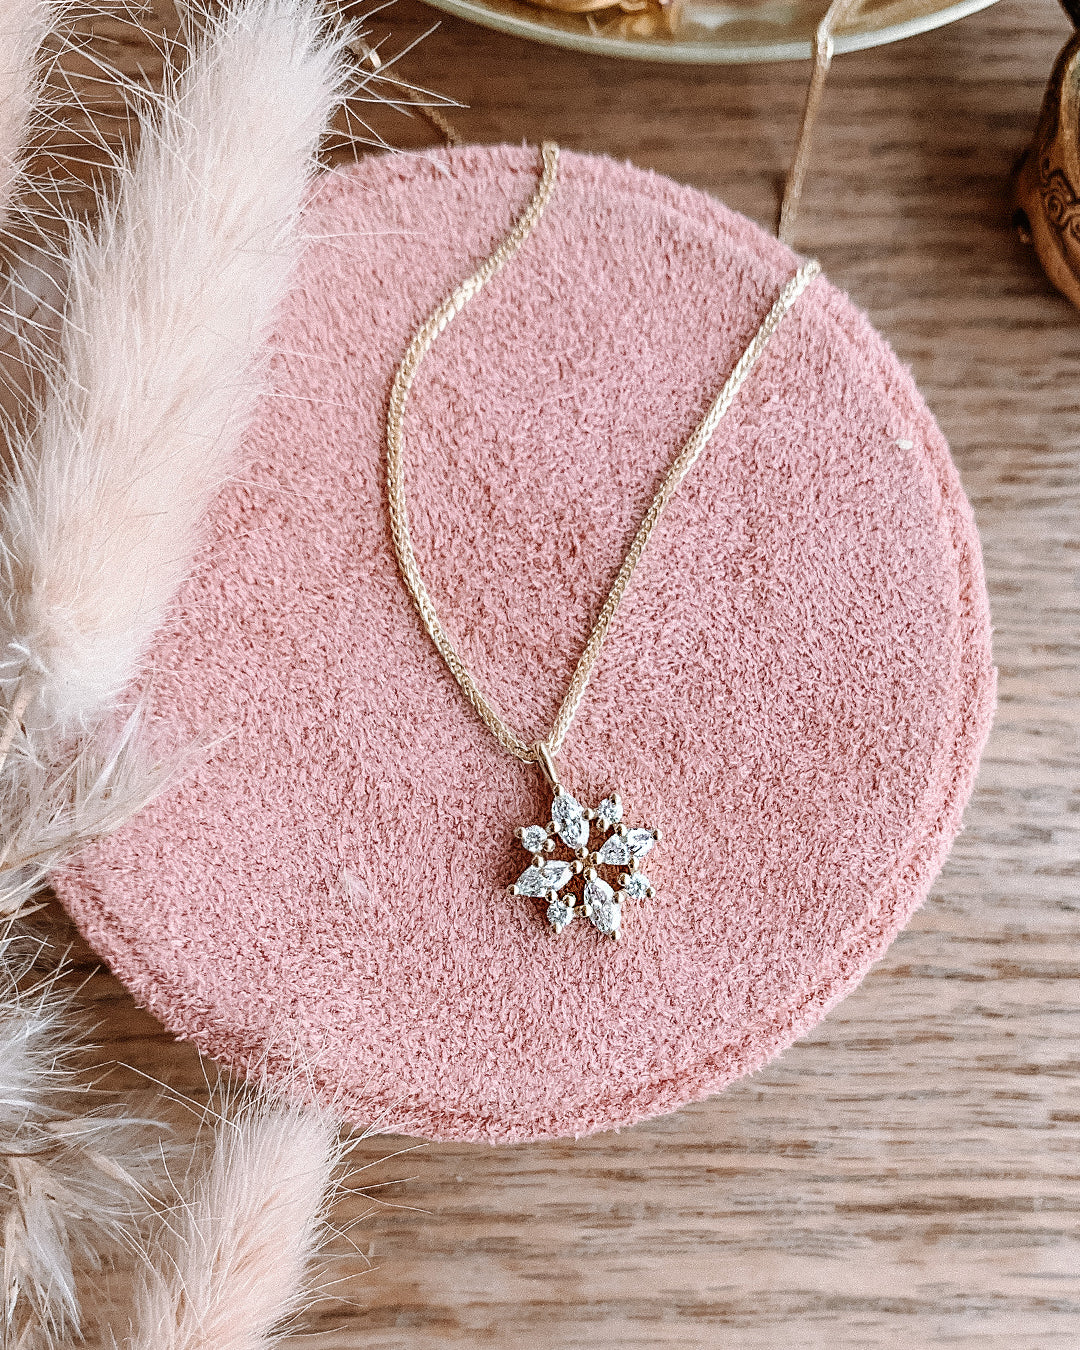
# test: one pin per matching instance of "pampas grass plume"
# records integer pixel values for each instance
(48, 809)
(23, 26)
(69, 1173)
(169, 304)
(169, 299)
(232, 1265)
(74, 1178)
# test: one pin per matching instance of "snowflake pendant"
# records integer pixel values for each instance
(618, 851)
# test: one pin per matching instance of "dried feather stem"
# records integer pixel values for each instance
(69, 1176)
(167, 307)
(838, 12)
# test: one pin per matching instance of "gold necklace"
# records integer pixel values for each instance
(573, 824)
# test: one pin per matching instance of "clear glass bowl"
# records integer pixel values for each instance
(726, 31)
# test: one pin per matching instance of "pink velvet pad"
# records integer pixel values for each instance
(797, 687)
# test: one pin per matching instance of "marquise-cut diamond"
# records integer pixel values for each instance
(569, 820)
(540, 881)
(609, 812)
(636, 885)
(616, 851)
(601, 906)
(597, 892)
(556, 874)
(559, 914)
(534, 837)
(606, 919)
(640, 841)
(531, 882)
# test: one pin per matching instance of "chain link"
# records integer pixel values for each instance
(417, 349)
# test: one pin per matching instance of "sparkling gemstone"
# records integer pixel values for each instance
(559, 913)
(609, 812)
(601, 906)
(597, 893)
(640, 841)
(540, 881)
(534, 837)
(531, 882)
(616, 851)
(636, 885)
(569, 820)
(556, 874)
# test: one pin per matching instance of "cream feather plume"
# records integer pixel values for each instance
(23, 26)
(74, 1177)
(169, 301)
(231, 1267)
(67, 1182)
(24, 280)
(50, 808)
(169, 304)
(69, 1174)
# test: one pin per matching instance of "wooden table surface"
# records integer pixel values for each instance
(908, 1175)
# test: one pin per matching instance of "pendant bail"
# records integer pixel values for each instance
(547, 766)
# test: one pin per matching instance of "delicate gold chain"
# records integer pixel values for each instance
(534, 752)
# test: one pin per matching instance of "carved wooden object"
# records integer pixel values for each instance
(1046, 190)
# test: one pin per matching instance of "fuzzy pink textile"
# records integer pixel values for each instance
(797, 687)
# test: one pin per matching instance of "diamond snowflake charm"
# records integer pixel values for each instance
(605, 854)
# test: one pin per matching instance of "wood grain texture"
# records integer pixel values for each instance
(909, 1175)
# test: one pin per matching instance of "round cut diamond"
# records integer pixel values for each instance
(534, 837)
(640, 841)
(569, 820)
(616, 851)
(636, 885)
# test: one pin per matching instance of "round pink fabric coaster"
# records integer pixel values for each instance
(796, 689)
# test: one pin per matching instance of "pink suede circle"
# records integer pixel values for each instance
(796, 689)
